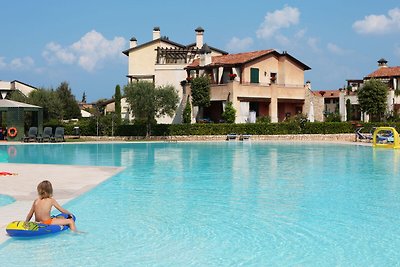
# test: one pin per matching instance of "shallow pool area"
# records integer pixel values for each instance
(224, 204)
(6, 200)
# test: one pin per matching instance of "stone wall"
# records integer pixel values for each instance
(298, 137)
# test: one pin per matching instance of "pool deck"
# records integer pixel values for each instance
(68, 183)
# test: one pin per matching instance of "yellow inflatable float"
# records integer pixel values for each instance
(386, 137)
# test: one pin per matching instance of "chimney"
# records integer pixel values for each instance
(308, 85)
(205, 55)
(199, 37)
(156, 33)
(382, 63)
(133, 42)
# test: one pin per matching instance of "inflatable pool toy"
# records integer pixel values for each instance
(7, 173)
(386, 137)
(32, 229)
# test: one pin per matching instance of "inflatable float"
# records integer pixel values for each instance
(32, 229)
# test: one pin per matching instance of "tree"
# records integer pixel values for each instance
(148, 102)
(229, 113)
(69, 104)
(372, 98)
(348, 110)
(84, 97)
(49, 101)
(187, 113)
(200, 88)
(117, 98)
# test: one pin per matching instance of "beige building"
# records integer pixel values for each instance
(24, 88)
(163, 62)
(258, 83)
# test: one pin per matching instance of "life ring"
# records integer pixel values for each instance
(12, 132)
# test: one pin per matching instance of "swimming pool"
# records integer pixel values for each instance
(224, 204)
(5, 200)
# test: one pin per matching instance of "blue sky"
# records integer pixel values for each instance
(46, 42)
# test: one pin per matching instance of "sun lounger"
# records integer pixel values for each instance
(231, 136)
(32, 135)
(244, 137)
(59, 135)
(363, 136)
(47, 134)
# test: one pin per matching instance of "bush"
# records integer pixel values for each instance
(333, 117)
(229, 113)
(264, 119)
(187, 113)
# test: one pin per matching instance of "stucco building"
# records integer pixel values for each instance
(388, 75)
(24, 88)
(163, 62)
(260, 83)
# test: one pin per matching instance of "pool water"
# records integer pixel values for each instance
(224, 204)
(5, 200)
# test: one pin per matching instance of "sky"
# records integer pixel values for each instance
(44, 43)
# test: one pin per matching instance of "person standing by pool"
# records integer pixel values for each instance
(41, 207)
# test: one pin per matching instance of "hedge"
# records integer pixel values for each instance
(89, 128)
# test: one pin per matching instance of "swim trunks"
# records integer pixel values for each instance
(48, 221)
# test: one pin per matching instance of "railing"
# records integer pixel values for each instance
(263, 85)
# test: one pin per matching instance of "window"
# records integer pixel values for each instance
(254, 75)
(273, 77)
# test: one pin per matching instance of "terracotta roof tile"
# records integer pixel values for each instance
(329, 93)
(232, 59)
(385, 72)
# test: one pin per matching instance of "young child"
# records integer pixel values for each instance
(41, 207)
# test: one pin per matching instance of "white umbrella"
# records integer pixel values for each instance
(311, 112)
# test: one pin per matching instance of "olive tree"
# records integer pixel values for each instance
(148, 102)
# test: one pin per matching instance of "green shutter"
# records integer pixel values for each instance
(254, 75)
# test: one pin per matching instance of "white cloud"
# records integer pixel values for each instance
(25, 63)
(54, 52)
(283, 40)
(379, 24)
(90, 52)
(313, 43)
(300, 34)
(335, 49)
(277, 20)
(236, 44)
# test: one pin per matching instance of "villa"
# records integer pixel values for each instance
(259, 83)
(162, 62)
(384, 73)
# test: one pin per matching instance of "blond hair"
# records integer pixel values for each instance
(45, 189)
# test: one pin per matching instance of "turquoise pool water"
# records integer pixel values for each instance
(5, 200)
(224, 204)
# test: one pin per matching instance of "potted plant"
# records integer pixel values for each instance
(232, 76)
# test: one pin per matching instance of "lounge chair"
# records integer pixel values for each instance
(244, 137)
(47, 134)
(231, 136)
(59, 135)
(362, 136)
(32, 135)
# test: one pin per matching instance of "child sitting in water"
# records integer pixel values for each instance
(41, 207)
